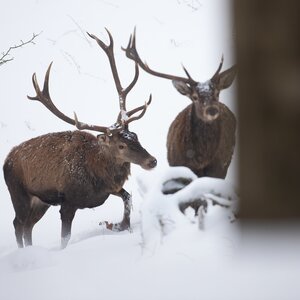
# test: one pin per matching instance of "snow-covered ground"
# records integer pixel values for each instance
(185, 262)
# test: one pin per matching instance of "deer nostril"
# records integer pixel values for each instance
(212, 111)
(152, 163)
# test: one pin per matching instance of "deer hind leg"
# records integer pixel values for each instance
(37, 210)
(125, 223)
(21, 203)
(18, 224)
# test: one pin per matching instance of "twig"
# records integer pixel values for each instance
(193, 4)
(5, 55)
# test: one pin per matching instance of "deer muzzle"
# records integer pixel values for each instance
(211, 113)
(150, 163)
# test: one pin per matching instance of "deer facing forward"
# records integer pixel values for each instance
(202, 136)
(74, 169)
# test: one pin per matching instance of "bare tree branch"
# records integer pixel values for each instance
(6, 56)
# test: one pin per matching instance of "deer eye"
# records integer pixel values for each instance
(194, 97)
(121, 147)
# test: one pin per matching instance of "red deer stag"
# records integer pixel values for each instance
(75, 170)
(202, 136)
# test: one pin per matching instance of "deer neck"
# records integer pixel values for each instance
(102, 162)
(196, 123)
(203, 132)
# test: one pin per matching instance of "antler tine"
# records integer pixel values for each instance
(109, 50)
(105, 47)
(132, 84)
(188, 74)
(219, 68)
(81, 126)
(44, 97)
(123, 117)
(111, 40)
(136, 75)
(128, 48)
(132, 53)
(133, 111)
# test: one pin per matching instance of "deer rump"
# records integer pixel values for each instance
(205, 148)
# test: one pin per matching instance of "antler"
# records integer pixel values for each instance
(124, 116)
(44, 97)
(132, 53)
(128, 114)
(219, 69)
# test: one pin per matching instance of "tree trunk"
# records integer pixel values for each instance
(268, 95)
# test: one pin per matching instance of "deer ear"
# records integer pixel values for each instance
(103, 139)
(225, 79)
(182, 87)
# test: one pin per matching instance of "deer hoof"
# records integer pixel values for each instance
(116, 227)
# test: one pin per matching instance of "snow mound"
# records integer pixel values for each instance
(166, 202)
(26, 259)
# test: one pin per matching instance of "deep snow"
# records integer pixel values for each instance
(182, 263)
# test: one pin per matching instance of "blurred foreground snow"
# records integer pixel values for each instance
(220, 262)
(215, 200)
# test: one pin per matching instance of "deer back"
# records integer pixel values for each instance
(59, 161)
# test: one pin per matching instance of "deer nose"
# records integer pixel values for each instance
(212, 111)
(152, 163)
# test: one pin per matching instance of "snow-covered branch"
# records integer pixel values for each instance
(179, 188)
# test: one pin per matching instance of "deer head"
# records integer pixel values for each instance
(204, 95)
(117, 139)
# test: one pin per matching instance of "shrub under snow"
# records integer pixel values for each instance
(167, 200)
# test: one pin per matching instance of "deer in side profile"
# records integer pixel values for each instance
(74, 169)
(202, 136)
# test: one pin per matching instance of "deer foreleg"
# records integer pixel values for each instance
(125, 223)
(67, 215)
(127, 200)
